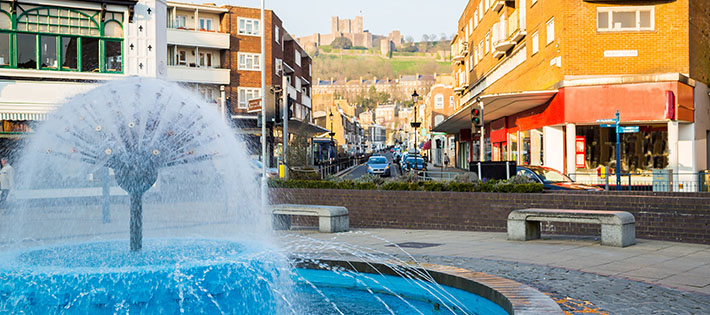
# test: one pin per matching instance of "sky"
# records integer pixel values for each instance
(412, 17)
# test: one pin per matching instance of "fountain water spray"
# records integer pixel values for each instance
(135, 142)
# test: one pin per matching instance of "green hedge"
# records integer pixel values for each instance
(490, 186)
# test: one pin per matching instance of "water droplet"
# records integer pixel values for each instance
(131, 125)
(73, 150)
(66, 129)
(98, 128)
(191, 152)
(108, 151)
(81, 117)
(49, 150)
(156, 152)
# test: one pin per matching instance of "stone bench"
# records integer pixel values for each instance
(618, 227)
(331, 219)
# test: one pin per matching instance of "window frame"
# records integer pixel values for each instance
(240, 90)
(438, 97)
(256, 61)
(57, 22)
(550, 31)
(535, 43)
(637, 9)
(257, 30)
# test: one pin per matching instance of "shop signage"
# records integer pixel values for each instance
(621, 53)
(580, 148)
(631, 129)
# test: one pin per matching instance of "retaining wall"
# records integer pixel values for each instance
(667, 217)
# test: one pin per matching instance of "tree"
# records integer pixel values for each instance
(443, 37)
(425, 38)
(342, 43)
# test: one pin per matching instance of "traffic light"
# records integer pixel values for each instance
(477, 119)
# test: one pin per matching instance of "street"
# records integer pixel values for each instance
(361, 170)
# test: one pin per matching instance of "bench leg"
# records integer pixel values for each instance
(281, 222)
(619, 235)
(334, 224)
(521, 230)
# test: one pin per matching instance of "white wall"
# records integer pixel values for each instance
(571, 153)
(553, 147)
(148, 36)
(702, 125)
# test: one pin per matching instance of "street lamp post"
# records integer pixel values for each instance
(415, 125)
(331, 133)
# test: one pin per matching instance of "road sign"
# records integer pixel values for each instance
(630, 129)
(254, 105)
(608, 126)
(608, 120)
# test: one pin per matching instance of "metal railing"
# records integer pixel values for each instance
(338, 165)
(442, 176)
(666, 182)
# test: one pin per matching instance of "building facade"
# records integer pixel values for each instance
(288, 70)
(198, 43)
(546, 71)
(50, 51)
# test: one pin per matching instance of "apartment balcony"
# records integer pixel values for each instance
(208, 39)
(198, 75)
(502, 41)
(516, 30)
(498, 4)
(305, 100)
(458, 58)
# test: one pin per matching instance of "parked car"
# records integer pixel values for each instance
(409, 163)
(551, 179)
(271, 172)
(378, 165)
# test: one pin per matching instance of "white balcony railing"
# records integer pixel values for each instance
(516, 30)
(503, 42)
(198, 38)
(198, 75)
(305, 100)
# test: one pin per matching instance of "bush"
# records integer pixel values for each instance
(494, 186)
(325, 49)
(341, 43)
(304, 174)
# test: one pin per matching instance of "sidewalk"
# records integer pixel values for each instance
(674, 265)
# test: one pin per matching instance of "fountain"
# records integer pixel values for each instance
(186, 184)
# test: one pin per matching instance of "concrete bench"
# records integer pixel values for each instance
(331, 219)
(618, 227)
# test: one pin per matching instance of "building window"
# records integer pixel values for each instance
(26, 51)
(277, 36)
(298, 57)
(535, 43)
(475, 19)
(4, 49)
(53, 38)
(114, 58)
(48, 52)
(206, 60)
(89, 54)
(487, 5)
(480, 49)
(279, 64)
(439, 101)
(250, 27)
(249, 62)
(180, 21)
(621, 19)
(550, 30)
(488, 41)
(480, 11)
(246, 94)
(206, 24)
(451, 101)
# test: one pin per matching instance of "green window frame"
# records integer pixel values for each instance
(62, 24)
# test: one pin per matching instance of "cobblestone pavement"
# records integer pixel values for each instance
(652, 277)
(580, 292)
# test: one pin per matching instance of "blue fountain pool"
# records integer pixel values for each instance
(207, 277)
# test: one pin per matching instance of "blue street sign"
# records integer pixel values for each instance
(608, 126)
(612, 120)
(629, 129)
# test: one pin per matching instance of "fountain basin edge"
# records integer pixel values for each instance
(514, 297)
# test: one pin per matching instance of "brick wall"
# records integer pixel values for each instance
(684, 217)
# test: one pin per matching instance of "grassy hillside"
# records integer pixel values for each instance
(366, 64)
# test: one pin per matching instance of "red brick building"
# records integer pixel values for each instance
(284, 59)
